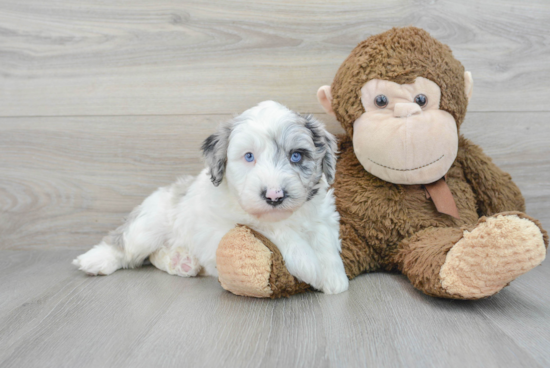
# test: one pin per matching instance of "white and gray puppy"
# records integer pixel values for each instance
(269, 168)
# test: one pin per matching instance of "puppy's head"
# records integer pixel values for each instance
(272, 159)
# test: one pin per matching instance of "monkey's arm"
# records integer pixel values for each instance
(494, 189)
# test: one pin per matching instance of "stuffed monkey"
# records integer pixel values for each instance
(413, 194)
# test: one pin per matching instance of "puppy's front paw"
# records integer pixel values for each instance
(102, 260)
(305, 266)
(335, 283)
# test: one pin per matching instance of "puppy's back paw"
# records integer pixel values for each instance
(102, 259)
(175, 261)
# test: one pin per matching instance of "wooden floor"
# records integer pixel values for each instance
(102, 102)
(54, 316)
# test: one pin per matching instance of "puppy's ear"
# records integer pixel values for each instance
(327, 142)
(214, 150)
(329, 161)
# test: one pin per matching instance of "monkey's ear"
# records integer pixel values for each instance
(214, 150)
(468, 84)
(325, 99)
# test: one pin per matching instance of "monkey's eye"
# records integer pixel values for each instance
(421, 100)
(381, 101)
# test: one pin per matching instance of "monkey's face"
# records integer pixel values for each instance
(403, 137)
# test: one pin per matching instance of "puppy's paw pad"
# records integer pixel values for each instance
(181, 263)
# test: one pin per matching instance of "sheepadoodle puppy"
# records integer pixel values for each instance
(270, 169)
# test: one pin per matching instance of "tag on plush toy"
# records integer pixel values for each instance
(442, 197)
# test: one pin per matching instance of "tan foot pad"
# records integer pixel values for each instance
(489, 257)
(244, 264)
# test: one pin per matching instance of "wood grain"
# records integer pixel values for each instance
(101, 102)
(527, 304)
(204, 57)
(144, 317)
(67, 181)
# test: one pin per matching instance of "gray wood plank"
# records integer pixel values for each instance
(66, 178)
(118, 311)
(202, 57)
(523, 312)
(26, 274)
(145, 318)
(67, 181)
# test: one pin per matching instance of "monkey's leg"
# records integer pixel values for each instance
(473, 263)
(249, 264)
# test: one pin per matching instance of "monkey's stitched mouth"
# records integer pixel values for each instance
(416, 168)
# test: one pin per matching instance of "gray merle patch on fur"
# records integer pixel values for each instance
(323, 140)
(116, 237)
(316, 131)
(312, 193)
(214, 149)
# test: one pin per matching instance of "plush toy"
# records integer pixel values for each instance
(413, 194)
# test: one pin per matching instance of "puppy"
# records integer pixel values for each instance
(270, 169)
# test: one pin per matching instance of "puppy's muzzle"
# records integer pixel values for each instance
(273, 196)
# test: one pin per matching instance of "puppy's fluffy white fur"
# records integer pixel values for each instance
(180, 226)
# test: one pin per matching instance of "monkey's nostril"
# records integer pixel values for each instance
(403, 110)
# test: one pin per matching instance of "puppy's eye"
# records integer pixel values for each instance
(249, 156)
(421, 100)
(296, 157)
(381, 101)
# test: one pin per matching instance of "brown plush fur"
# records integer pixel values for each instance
(376, 215)
(387, 226)
(422, 255)
(398, 55)
(250, 264)
(282, 283)
(390, 226)
(244, 263)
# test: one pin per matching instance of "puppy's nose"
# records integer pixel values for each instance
(402, 110)
(274, 196)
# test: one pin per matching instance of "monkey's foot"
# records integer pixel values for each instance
(491, 255)
(249, 264)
